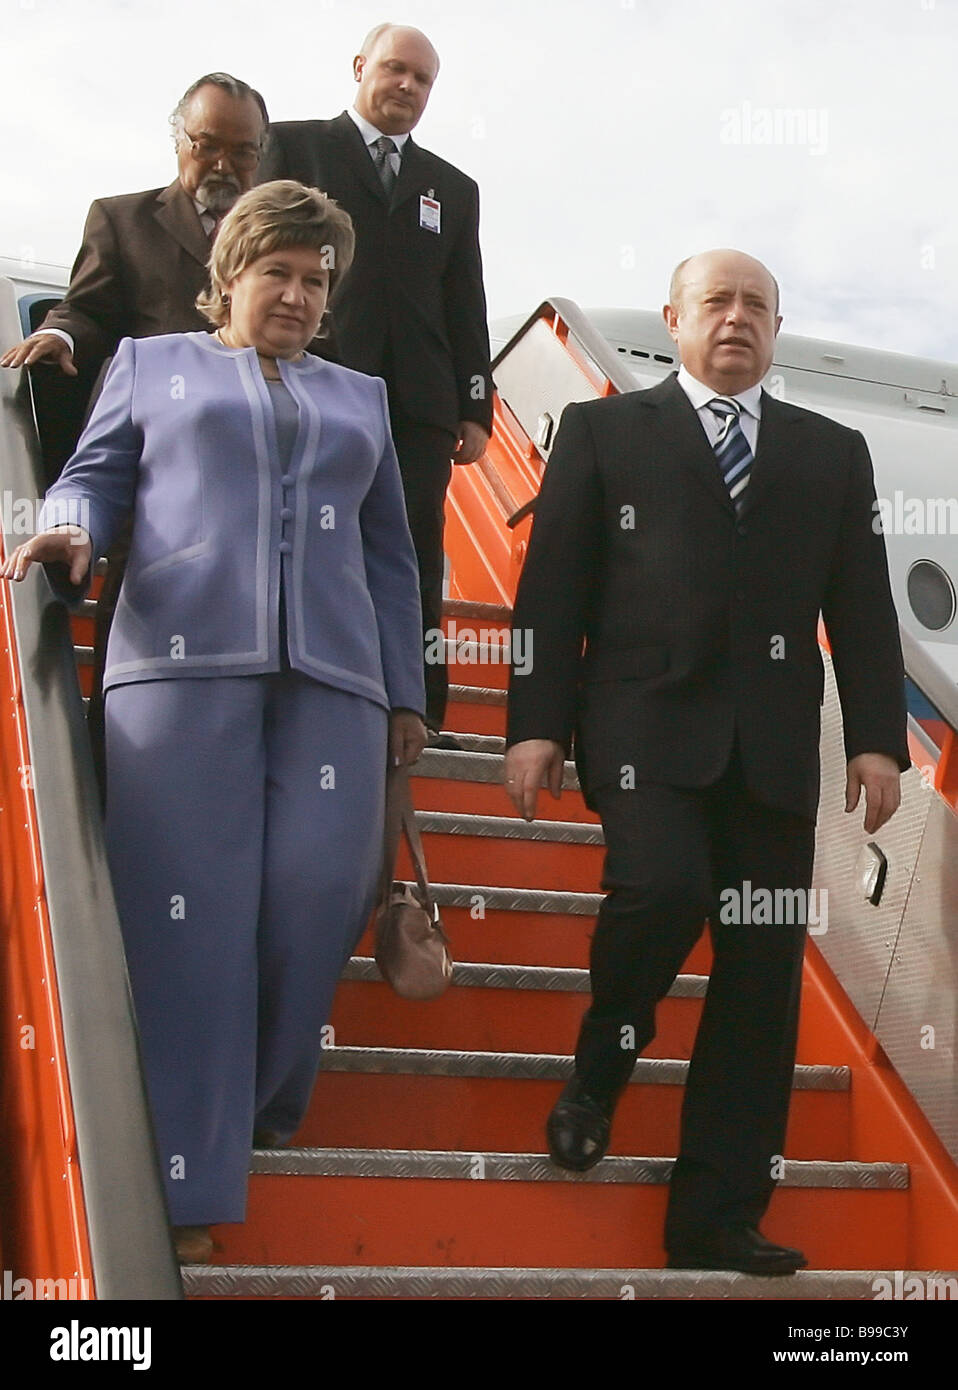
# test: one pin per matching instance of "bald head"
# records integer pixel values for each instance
(395, 70)
(693, 265)
(381, 31)
(723, 314)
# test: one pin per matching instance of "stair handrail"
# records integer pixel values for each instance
(127, 1227)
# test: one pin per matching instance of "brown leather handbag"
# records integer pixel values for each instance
(412, 950)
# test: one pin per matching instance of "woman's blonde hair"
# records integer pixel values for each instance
(275, 217)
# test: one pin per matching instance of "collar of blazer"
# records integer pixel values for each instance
(674, 416)
(177, 216)
(413, 166)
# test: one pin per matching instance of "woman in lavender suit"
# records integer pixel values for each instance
(265, 660)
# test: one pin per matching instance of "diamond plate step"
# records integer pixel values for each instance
(442, 1281)
(473, 767)
(516, 899)
(555, 979)
(476, 694)
(539, 1066)
(478, 743)
(466, 608)
(537, 1167)
(509, 827)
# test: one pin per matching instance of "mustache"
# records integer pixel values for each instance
(218, 193)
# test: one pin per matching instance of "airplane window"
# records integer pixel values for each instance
(931, 595)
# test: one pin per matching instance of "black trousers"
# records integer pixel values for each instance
(675, 857)
(425, 462)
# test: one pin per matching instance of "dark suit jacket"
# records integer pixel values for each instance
(412, 308)
(137, 274)
(696, 625)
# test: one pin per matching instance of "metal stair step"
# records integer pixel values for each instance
(478, 743)
(509, 828)
(467, 608)
(443, 1281)
(516, 899)
(476, 694)
(555, 979)
(454, 766)
(539, 1066)
(537, 1167)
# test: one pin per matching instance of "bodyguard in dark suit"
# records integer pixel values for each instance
(686, 539)
(412, 308)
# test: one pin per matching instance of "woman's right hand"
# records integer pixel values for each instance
(66, 545)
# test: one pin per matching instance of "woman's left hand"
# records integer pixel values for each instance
(407, 736)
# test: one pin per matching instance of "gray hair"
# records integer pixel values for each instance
(233, 86)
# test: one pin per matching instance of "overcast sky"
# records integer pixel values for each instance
(610, 138)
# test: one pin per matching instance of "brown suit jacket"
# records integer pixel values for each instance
(137, 274)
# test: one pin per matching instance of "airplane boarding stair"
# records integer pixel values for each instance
(420, 1171)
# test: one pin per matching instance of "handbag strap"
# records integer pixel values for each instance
(401, 818)
(415, 849)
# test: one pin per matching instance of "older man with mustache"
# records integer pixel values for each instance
(143, 258)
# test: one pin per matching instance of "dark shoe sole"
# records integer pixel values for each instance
(581, 1167)
(699, 1263)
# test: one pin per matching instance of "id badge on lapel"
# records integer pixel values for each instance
(430, 212)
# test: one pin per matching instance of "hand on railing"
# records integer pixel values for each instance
(66, 545)
(41, 347)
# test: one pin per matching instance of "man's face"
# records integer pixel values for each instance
(395, 80)
(219, 148)
(725, 321)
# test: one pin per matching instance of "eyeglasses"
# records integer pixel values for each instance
(208, 152)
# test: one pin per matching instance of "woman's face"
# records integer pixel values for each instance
(277, 302)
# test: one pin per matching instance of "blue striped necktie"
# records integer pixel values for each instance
(731, 448)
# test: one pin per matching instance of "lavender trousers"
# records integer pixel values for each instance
(244, 830)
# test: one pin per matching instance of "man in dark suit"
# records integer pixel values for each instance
(685, 540)
(139, 269)
(412, 308)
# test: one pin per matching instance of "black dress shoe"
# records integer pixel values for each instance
(436, 739)
(268, 1139)
(741, 1248)
(578, 1129)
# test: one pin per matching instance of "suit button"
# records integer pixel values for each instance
(741, 530)
(287, 480)
(285, 548)
(287, 514)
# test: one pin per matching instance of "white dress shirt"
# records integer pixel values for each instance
(700, 395)
(370, 135)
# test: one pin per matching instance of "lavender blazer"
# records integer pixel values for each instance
(184, 436)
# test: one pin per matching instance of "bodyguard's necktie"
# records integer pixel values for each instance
(382, 149)
(731, 448)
